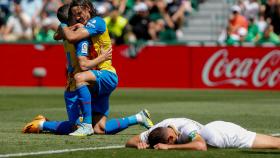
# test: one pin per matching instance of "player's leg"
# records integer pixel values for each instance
(112, 126)
(105, 84)
(65, 127)
(84, 93)
(84, 96)
(58, 127)
(98, 123)
(41, 123)
(115, 125)
(266, 142)
(72, 106)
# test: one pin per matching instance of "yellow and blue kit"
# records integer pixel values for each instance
(70, 95)
(106, 77)
(99, 35)
(106, 82)
(72, 65)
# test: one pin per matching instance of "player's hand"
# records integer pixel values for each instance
(160, 146)
(142, 145)
(78, 25)
(107, 54)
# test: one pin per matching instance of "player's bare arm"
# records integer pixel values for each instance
(87, 64)
(75, 35)
(59, 33)
(197, 144)
(135, 142)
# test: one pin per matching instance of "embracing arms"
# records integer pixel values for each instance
(87, 64)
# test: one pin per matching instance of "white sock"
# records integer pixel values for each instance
(139, 118)
(41, 125)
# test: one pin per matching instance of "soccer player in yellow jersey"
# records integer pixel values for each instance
(105, 77)
(105, 82)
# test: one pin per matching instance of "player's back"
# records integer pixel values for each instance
(72, 65)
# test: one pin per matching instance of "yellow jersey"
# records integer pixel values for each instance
(72, 65)
(100, 38)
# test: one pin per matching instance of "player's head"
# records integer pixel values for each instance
(62, 13)
(82, 10)
(164, 135)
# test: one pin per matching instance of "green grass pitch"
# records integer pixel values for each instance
(255, 110)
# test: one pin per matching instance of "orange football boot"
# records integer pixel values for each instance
(33, 126)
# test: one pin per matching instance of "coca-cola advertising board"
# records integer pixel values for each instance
(235, 67)
(177, 66)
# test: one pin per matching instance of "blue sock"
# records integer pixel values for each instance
(85, 100)
(58, 127)
(132, 120)
(114, 126)
(72, 107)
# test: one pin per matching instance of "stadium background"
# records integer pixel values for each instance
(162, 60)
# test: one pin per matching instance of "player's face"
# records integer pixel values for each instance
(72, 21)
(81, 14)
(171, 136)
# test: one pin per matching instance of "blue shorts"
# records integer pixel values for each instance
(106, 83)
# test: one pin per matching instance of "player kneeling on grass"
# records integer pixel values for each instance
(183, 133)
(100, 102)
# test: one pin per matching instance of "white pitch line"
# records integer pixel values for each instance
(275, 134)
(60, 151)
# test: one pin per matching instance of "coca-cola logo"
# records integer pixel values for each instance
(220, 70)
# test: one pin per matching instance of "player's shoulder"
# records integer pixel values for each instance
(83, 42)
(95, 20)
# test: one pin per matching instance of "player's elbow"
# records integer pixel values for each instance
(201, 146)
(83, 68)
(84, 65)
(71, 37)
(128, 144)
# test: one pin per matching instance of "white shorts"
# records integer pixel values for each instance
(222, 134)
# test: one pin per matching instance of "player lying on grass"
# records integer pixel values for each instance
(40, 123)
(186, 134)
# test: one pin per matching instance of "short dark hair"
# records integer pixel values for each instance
(158, 135)
(62, 13)
(84, 3)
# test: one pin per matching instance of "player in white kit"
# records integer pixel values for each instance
(183, 133)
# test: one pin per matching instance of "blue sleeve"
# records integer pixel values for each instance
(82, 48)
(95, 26)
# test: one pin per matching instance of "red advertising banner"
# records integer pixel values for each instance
(153, 67)
(235, 67)
(18, 62)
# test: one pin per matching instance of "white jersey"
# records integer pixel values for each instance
(183, 126)
(222, 134)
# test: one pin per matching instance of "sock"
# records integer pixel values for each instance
(58, 127)
(134, 119)
(72, 107)
(41, 125)
(85, 100)
(114, 126)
